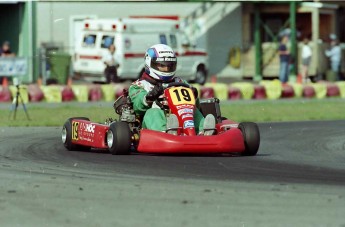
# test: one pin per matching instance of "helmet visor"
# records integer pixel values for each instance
(164, 64)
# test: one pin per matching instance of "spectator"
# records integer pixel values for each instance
(110, 59)
(5, 51)
(306, 59)
(334, 55)
(284, 59)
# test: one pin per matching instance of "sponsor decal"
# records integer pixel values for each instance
(86, 131)
(166, 59)
(88, 127)
(185, 106)
(186, 115)
(166, 51)
(184, 111)
(86, 139)
(188, 124)
(75, 130)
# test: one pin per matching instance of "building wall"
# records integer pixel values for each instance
(223, 36)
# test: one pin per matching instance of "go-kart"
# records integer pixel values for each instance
(127, 135)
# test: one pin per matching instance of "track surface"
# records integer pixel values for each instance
(297, 179)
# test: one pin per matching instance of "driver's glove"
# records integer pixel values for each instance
(154, 93)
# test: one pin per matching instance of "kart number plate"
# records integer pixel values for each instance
(75, 130)
(182, 95)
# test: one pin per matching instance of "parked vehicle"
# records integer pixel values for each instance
(132, 37)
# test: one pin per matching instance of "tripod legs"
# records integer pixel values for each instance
(15, 104)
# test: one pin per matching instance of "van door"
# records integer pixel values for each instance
(184, 62)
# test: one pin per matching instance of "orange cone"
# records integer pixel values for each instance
(69, 82)
(214, 79)
(4, 82)
(39, 81)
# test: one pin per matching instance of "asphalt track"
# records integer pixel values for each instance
(297, 179)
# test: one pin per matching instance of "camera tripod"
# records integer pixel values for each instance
(15, 104)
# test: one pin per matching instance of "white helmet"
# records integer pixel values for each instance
(160, 62)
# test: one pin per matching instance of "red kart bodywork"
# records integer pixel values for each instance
(89, 134)
(229, 136)
(160, 142)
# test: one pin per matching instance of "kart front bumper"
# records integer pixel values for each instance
(230, 141)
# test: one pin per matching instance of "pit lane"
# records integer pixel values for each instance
(299, 172)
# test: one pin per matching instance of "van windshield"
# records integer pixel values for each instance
(107, 40)
(89, 40)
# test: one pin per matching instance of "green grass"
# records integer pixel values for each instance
(256, 111)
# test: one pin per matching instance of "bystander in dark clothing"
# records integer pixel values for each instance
(5, 51)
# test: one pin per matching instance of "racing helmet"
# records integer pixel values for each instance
(160, 62)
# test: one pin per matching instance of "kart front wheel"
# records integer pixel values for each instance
(251, 137)
(66, 135)
(119, 138)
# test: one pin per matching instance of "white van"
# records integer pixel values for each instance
(132, 37)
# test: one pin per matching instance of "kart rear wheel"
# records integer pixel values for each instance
(119, 138)
(251, 137)
(66, 135)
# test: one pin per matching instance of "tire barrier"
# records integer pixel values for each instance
(35, 93)
(67, 94)
(308, 91)
(259, 92)
(23, 90)
(273, 88)
(287, 91)
(341, 86)
(246, 88)
(320, 90)
(234, 91)
(5, 94)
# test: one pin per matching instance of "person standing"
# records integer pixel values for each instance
(110, 60)
(284, 56)
(334, 55)
(5, 51)
(306, 59)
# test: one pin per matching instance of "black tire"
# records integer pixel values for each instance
(200, 76)
(67, 130)
(251, 136)
(119, 138)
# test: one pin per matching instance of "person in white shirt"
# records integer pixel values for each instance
(334, 54)
(110, 59)
(306, 59)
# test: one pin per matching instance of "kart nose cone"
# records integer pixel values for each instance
(64, 134)
(110, 138)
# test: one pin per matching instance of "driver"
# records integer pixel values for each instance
(160, 68)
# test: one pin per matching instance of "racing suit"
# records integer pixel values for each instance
(154, 117)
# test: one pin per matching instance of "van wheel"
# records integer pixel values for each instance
(200, 76)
